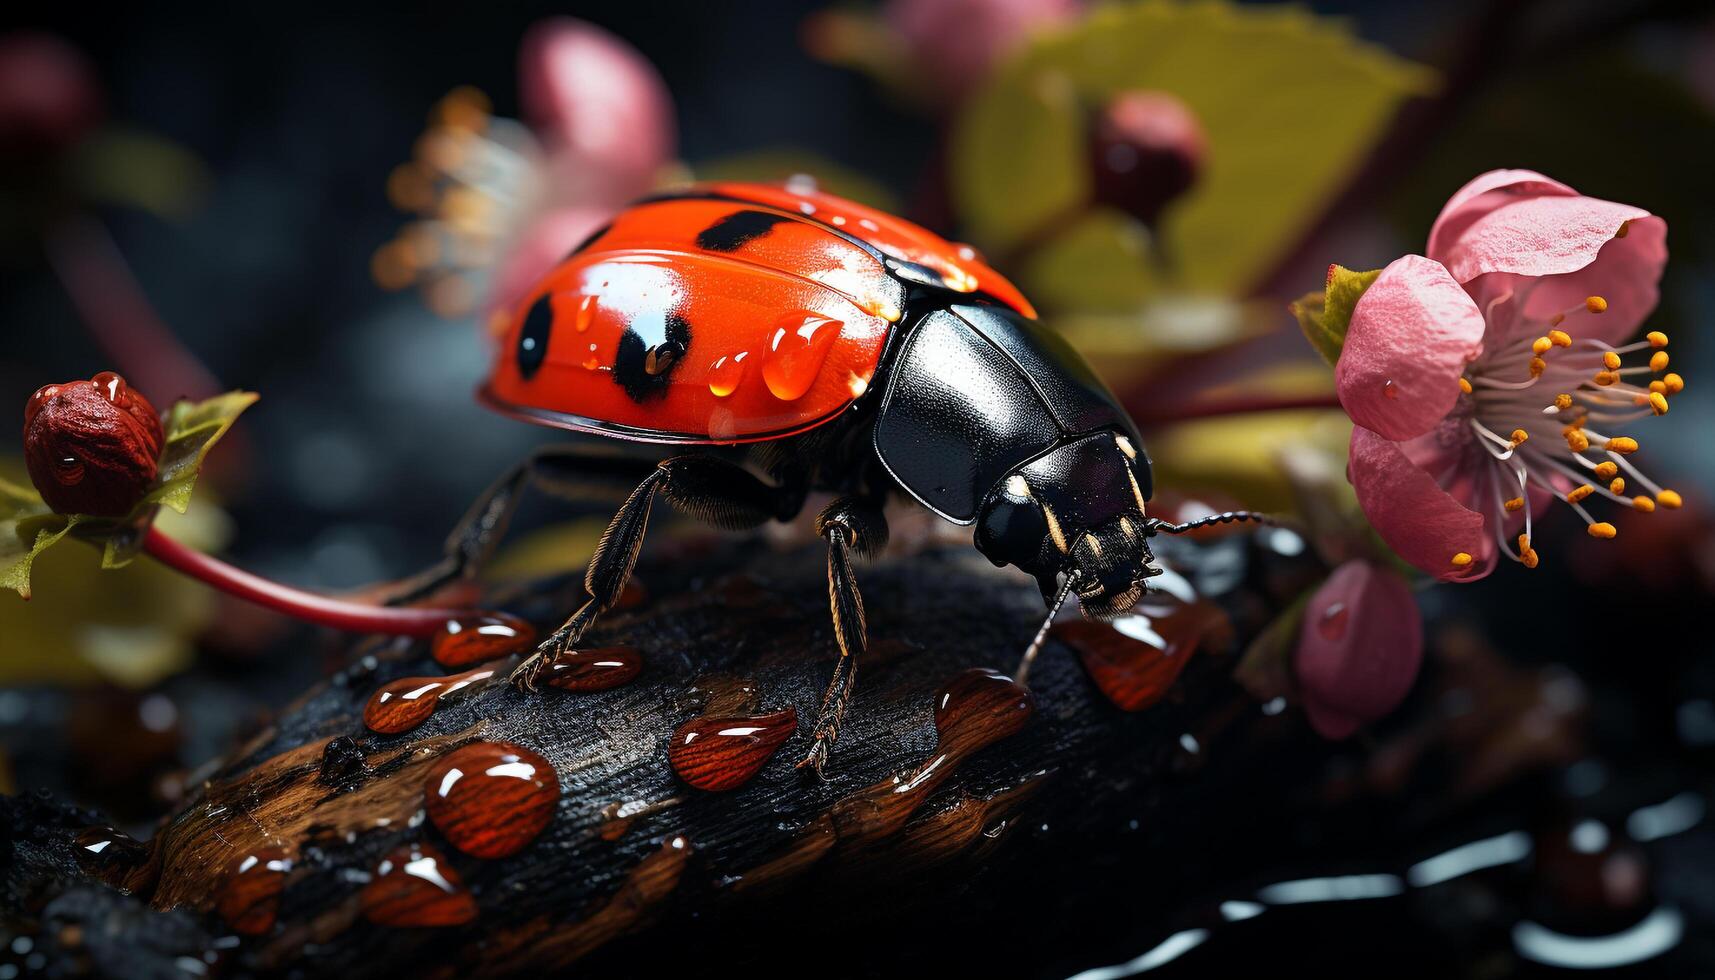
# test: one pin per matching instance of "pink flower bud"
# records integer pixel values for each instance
(1146, 151)
(1359, 648)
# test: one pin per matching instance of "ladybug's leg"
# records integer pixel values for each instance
(562, 470)
(705, 487)
(851, 524)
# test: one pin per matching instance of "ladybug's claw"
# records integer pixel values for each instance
(524, 675)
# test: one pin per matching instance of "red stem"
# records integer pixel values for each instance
(1237, 406)
(336, 614)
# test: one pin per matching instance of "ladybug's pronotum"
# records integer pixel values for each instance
(842, 350)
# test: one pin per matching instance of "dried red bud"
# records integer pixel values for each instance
(92, 447)
(1146, 151)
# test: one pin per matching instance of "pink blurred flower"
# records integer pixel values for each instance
(1359, 648)
(1485, 377)
(957, 42)
(49, 94)
(508, 201)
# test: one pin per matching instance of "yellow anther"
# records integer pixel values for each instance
(1541, 345)
(1526, 554)
(1656, 338)
(1563, 402)
(1625, 229)
(1643, 505)
(1519, 436)
(1465, 385)
(1577, 441)
(1622, 445)
(1658, 361)
(1611, 360)
(1461, 560)
(1658, 386)
(1560, 338)
(1577, 494)
(1658, 403)
(1514, 505)
(1669, 499)
(1607, 468)
(1605, 378)
(1595, 304)
(1557, 319)
(1602, 529)
(1673, 383)
(1617, 486)
(1537, 366)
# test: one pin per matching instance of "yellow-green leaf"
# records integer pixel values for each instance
(22, 540)
(192, 430)
(1326, 317)
(1290, 102)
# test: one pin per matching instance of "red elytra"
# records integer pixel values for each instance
(414, 886)
(491, 799)
(585, 671)
(722, 313)
(719, 754)
(479, 639)
(250, 894)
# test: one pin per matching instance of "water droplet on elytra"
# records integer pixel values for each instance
(798, 347)
(409, 701)
(478, 639)
(1390, 390)
(414, 886)
(585, 315)
(727, 373)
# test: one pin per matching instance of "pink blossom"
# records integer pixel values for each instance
(1359, 648)
(504, 200)
(1487, 379)
(957, 42)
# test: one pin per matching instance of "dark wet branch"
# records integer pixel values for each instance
(1004, 813)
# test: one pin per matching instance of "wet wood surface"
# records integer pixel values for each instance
(953, 797)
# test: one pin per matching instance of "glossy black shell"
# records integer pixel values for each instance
(974, 393)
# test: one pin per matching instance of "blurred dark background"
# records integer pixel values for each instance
(367, 444)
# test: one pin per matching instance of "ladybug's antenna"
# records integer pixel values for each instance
(1155, 526)
(1030, 652)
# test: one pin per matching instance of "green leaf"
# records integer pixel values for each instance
(1290, 103)
(192, 430)
(1325, 318)
(22, 540)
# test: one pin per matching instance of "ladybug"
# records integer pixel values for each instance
(840, 349)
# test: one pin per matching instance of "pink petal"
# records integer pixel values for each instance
(1537, 236)
(1359, 648)
(545, 242)
(1626, 273)
(1411, 336)
(599, 105)
(957, 42)
(1422, 523)
(1483, 194)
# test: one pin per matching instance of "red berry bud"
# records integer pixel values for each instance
(92, 447)
(1147, 150)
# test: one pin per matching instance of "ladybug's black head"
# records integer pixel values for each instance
(1076, 514)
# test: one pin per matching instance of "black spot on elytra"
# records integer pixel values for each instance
(731, 232)
(669, 341)
(533, 339)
